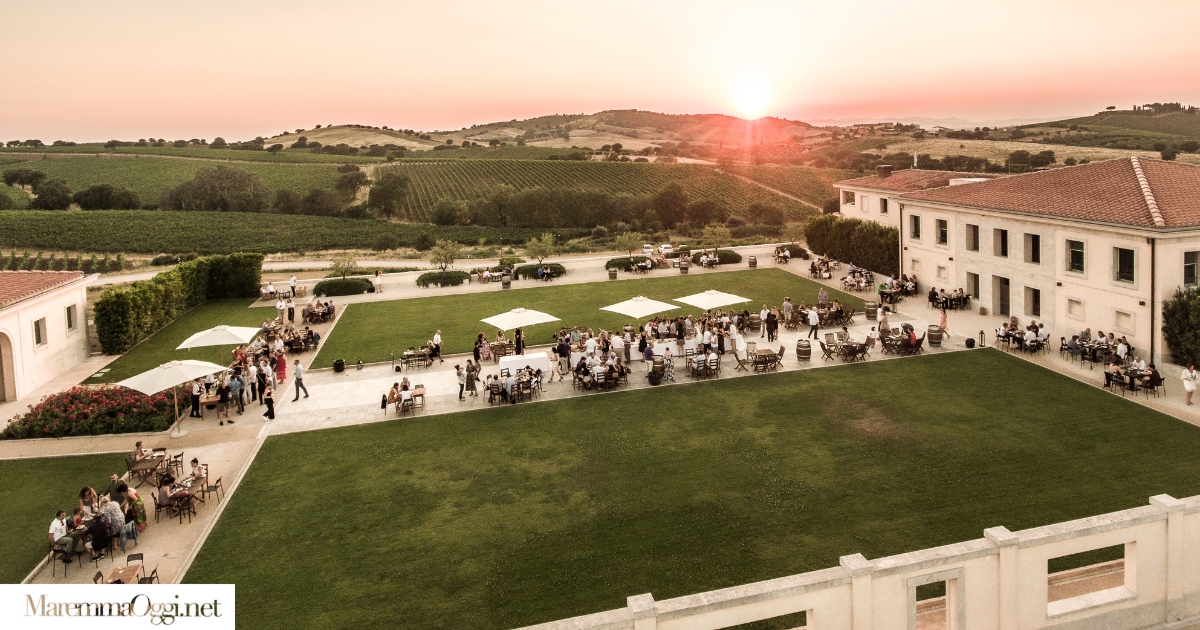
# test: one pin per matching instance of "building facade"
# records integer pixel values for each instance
(43, 328)
(1098, 246)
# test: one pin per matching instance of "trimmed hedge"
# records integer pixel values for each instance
(529, 272)
(125, 315)
(864, 243)
(797, 251)
(622, 263)
(342, 286)
(1181, 325)
(724, 257)
(443, 278)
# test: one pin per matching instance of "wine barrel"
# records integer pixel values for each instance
(803, 350)
(934, 336)
(612, 274)
(755, 322)
(753, 262)
(683, 265)
(872, 310)
(506, 282)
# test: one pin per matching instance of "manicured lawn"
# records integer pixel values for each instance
(517, 515)
(160, 347)
(31, 491)
(372, 331)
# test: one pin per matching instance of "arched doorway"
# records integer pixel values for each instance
(8, 379)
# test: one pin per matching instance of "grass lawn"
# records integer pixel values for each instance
(31, 491)
(373, 330)
(160, 347)
(517, 515)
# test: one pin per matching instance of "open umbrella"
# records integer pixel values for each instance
(170, 374)
(220, 336)
(712, 299)
(518, 318)
(639, 307)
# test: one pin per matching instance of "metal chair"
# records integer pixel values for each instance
(98, 578)
(58, 554)
(214, 488)
(150, 579)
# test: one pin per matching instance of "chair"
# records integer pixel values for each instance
(494, 391)
(826, 353)
(214, 488)
(1151, 385)
(98, 578)
(159, 509)
(505, 373)
(58, 554)
(741, 363)
(714, 367)
(176, 464)
(599, 379)
(150, 579)
(751, 347)
(779, 359)
(830, 339)
(1062, 347)
(185, 505)
(131, 558)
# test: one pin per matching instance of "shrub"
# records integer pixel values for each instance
(600, 232)
(384, 242)
(163, 259)
(724, 256)
(424, 242)
(510, 260)
(1181, 325)
(342, 286)
(529, 272)
(622, 263)
(865, 243)
(92, 411)
(443, 278)
(797, 251)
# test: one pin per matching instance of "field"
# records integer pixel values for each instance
(19, 197)
(997, 150)
(149, 176)
(811, 184)
(154, 231)
(32, 490)
(373, 330)
(517, 515)
(431, 182)
(510, 152)
(1176, 124)
(285, 156)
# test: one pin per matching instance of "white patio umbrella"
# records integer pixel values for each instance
(170, 374)
(712, 299)
(518, 318)
(639, 307)
(220, 336)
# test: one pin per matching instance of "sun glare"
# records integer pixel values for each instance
(751, 98)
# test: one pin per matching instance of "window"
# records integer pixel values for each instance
(1190, 261)
(1075, 256)
(1033, 248)
(973, 284)
(915, 267)
(71, 317)
(1000, 243)
(848, 197)
(915, 230)
(883, 206)
(1073, 582)
(943, 231)
(943, 273)
(1033, 302)
(972, 238)
(1122, 264)
(39, 332)
(1074, 308)
(1123, 321)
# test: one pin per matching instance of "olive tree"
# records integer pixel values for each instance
(540, 248)
(344, 265)
(444, 253)
(629, 242)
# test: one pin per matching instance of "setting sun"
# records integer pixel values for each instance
(750, 98)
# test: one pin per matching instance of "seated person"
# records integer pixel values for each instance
(58, 535)
(393, 394)
(198, 470)
(1073, 346)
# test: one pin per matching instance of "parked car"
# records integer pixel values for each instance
(647, 250)
(665, 249)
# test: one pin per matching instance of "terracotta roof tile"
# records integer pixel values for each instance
(910, 180)
(18, 285)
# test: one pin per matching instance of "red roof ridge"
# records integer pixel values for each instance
(1145, 186)
(16, 286)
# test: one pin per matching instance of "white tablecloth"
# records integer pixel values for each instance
(535, 360)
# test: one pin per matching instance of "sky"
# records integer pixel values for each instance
(85, 71)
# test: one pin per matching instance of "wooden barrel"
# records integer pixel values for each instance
(755, 322)
(803, 350)
(872, 310)
(934, 336)
(753, 262)
(506, 282)
(612, 274)
(683, 265)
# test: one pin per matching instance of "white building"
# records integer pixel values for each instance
(43, 327)
(1098, 246)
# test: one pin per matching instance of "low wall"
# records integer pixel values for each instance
(998, 582)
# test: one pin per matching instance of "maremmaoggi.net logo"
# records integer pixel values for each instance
(141, 605)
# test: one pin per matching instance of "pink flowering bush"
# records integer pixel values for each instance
(92, 411)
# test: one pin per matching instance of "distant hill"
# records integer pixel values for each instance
(1173, 123)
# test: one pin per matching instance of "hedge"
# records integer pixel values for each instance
(864, 243)
(1181, 326)
(125, 315)
(622, 263)
(724, 257)
(342, 286)
(443, 278)
(92, 411)
(797, 251)
(529, 272)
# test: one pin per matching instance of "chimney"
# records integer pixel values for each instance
(883, 170)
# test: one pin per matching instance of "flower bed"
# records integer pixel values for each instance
(92, 411)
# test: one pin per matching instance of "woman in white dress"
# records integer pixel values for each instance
(1189, 382)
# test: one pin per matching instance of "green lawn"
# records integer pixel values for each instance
(517, 515)
(373, 330)
(160, 347)
(31, 491)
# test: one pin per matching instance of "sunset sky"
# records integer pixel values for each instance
(86, 70)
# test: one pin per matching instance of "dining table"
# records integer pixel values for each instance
(535, 360)
(125, 575)
(145, 468)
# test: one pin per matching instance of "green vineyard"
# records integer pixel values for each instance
(472, 179)
(813, 185)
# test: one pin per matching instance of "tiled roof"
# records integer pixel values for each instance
(909, 180)
(1105, 192)
(18, 285)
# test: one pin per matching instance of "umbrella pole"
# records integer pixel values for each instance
(178, 431)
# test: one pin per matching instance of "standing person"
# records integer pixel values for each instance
(261, 382)
(280, 307)
(822, 298)
(462, 380)
(291, 311)
(437, 345)
(237, 390)
(293, 283)
(1189, 382)
(518, 341)
(252, 381)
(269, 398)
(814, 320)
(223, 403)
(299, 369)
(378, 282)
(197, 389)
(762, 318)
(472, 376)
(280, 368)
(942, 323)
(884, 328)
(209, 381)
(564, 356)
